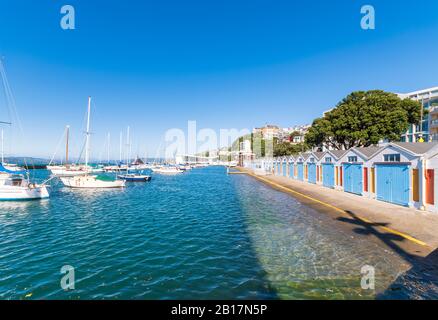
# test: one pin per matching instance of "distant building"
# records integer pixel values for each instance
(245, 152)
(296, 134)
(428, 129)
(283, 134)
(268, 132)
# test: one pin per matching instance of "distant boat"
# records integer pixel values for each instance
(134, 166)
(185, 167)
(167, 170)
(8, 166)
(68, 170)
(201, 165)
(134, 177)
(90, 181)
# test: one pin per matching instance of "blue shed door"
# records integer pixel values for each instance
(311, 177)
(278, 168)
(353, 179)
(284, 169)
(393, 183)
(328, 175)
(291, 170)
(300, 171)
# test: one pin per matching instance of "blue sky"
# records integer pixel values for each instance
(154, 65)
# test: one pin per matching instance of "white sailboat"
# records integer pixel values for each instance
(132, 177)
(90, 181)
(67, 170)
(15, 184)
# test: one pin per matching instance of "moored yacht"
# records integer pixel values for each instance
(90, 182)
(132, 177)
(87, 180)
(14, 186)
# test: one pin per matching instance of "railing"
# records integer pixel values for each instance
(433, 109)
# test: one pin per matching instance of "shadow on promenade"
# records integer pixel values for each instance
(420, 281)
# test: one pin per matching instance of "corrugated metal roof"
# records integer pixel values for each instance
(416, 147)
(305, 155)
(368, 151)
(338, 153)
(319, 155)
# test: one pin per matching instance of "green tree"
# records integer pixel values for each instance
(286, 149)
(363, 118)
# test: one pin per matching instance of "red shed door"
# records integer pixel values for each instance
(430, 186)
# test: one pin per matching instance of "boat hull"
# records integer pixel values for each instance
(67, 173)
(167, 170)
(90, 182)
(135, 179)
(12, 193)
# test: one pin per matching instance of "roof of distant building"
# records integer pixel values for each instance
(368, 152)
(338, 153)
(416, 147)
(318, 154)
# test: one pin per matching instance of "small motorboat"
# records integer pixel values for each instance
(134, 177)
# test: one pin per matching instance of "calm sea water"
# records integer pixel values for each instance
(199, 235)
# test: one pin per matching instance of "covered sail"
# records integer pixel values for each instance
(3, 169)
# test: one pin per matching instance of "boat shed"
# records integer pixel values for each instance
(319, 163)
(277, 165)
(356, 170)
(306, 156)
(402, 174)
(299, 166)
(312, 166)
(291, 161)
(331, 175)
(284, 166)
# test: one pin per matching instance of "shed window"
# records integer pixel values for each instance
(328, 159)
(312, 159)
(391, 157)
(352, 159)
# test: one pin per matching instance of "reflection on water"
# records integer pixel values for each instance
(10, 211)
(199, 235)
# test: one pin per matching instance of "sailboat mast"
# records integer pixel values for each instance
(3, 149)
(127, 149)
(67, 128)
(108, 151)
(120, 152)
(87, 141)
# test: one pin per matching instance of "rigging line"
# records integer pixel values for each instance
(81, 153)
(158, 149)
(84, 129)
(102, 151)
(58, 146)
(6, 97)
(13, 106)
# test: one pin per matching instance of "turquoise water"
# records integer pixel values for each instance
(199, 235)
